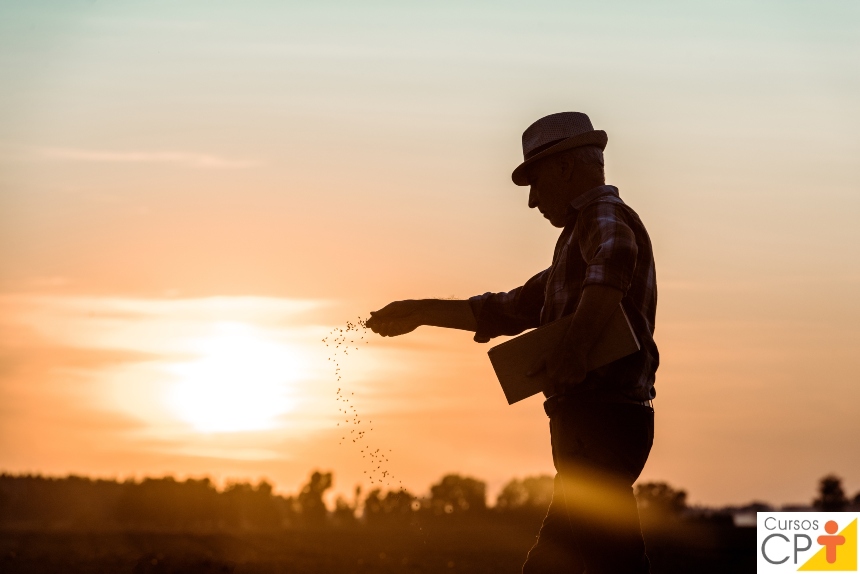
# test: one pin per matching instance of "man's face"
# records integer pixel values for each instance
(550, 181)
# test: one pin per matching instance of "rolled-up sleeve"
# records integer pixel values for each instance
(509, 313)
(608, 247)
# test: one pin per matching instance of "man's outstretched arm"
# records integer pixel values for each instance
(401, 317)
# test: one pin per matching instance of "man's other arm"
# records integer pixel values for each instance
(609, 248)
(401, 317)
(568, 363)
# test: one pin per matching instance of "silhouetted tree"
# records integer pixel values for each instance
(456, 494)
(831, 497)
(344, 512)
(659, 500)
(396, 505)
(4, 502)
(311, 498)
(532, 494)
(252, 507)
(151, 503)
(167, 503)
(69, 501)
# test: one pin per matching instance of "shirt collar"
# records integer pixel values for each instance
(593, 194)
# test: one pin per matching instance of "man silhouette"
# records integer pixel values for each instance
(601, 421)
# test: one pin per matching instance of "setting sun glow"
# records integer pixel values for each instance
(194, 195)
(239, 382)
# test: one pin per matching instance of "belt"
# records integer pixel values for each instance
(553, 402)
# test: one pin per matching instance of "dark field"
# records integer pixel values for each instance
(161, 525)
(484, 547)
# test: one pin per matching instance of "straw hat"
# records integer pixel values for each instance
(555, 133)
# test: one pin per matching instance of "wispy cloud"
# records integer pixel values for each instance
(187, 159)
(181, 367)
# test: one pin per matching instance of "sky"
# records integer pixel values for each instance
(194, 194)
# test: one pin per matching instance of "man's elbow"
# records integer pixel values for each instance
(602, 295)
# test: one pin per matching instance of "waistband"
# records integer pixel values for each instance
(555, 401)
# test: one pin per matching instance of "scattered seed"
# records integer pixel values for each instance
(342, 341)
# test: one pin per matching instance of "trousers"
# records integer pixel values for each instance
(592, 525)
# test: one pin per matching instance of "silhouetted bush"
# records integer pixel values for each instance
(153, 503)
(458, 495)
(658, 500)
(344, 512)
(310, 499)
(831, 497)
(532, 495)
(395, 506)
(252, 507)
(57, 501)
(166, 503)
(165, 527)
(196, 504)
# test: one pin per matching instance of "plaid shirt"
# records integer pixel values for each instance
(604, 243)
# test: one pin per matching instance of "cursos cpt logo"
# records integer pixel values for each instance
(807, 541)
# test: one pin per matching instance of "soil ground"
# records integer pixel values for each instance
(485, 547)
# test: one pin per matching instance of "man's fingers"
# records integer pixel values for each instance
(382, 328)
(381, 317)
(395, 310)
(396, 318)
(564, 370)
(391, 328)
(537, 367)
(388, 330)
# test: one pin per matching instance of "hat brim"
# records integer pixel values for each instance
(596, 138)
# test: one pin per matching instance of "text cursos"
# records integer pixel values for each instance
(772, 523)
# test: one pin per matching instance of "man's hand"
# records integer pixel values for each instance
(402, 317)
(565, 366)
(397, 318)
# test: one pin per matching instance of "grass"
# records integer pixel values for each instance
(477, 547)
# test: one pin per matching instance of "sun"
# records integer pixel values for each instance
(240, 381)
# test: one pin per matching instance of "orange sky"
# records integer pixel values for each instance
(185, 190)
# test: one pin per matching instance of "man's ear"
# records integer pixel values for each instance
(566, 168)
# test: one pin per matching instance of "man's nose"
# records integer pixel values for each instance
(533, 201)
